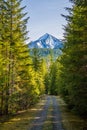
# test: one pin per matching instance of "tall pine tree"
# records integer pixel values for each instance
(16, 74)
(74, 58)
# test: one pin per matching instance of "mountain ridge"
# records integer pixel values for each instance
(46, 41)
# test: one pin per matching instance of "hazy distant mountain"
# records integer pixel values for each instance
(46, 41)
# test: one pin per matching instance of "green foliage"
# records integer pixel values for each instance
(47, 83)
(46, 52)
(52, 78)
(12, 44)
(53, 74)
(74, 60)
(40, 68)
(68, 74)
(21, 77)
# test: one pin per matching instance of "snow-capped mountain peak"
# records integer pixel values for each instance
(46, 41)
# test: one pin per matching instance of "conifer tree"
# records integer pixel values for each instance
(74, 58)
(3, 53)
(14, 54)
(39, 68)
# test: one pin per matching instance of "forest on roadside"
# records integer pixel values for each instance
(24, 77)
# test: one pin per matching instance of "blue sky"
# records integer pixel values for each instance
(45, 17)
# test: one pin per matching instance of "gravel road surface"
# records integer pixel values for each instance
(41, 116)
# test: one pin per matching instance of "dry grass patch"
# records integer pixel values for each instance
(22, 121)
(71, 121)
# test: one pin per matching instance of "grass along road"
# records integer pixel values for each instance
(22, 120)
(69, 119)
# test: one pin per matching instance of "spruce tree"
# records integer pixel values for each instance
(14, 54)
(39, 69)
(74, 58)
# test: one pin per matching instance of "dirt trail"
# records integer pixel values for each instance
(41, 117)
(56, 114)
